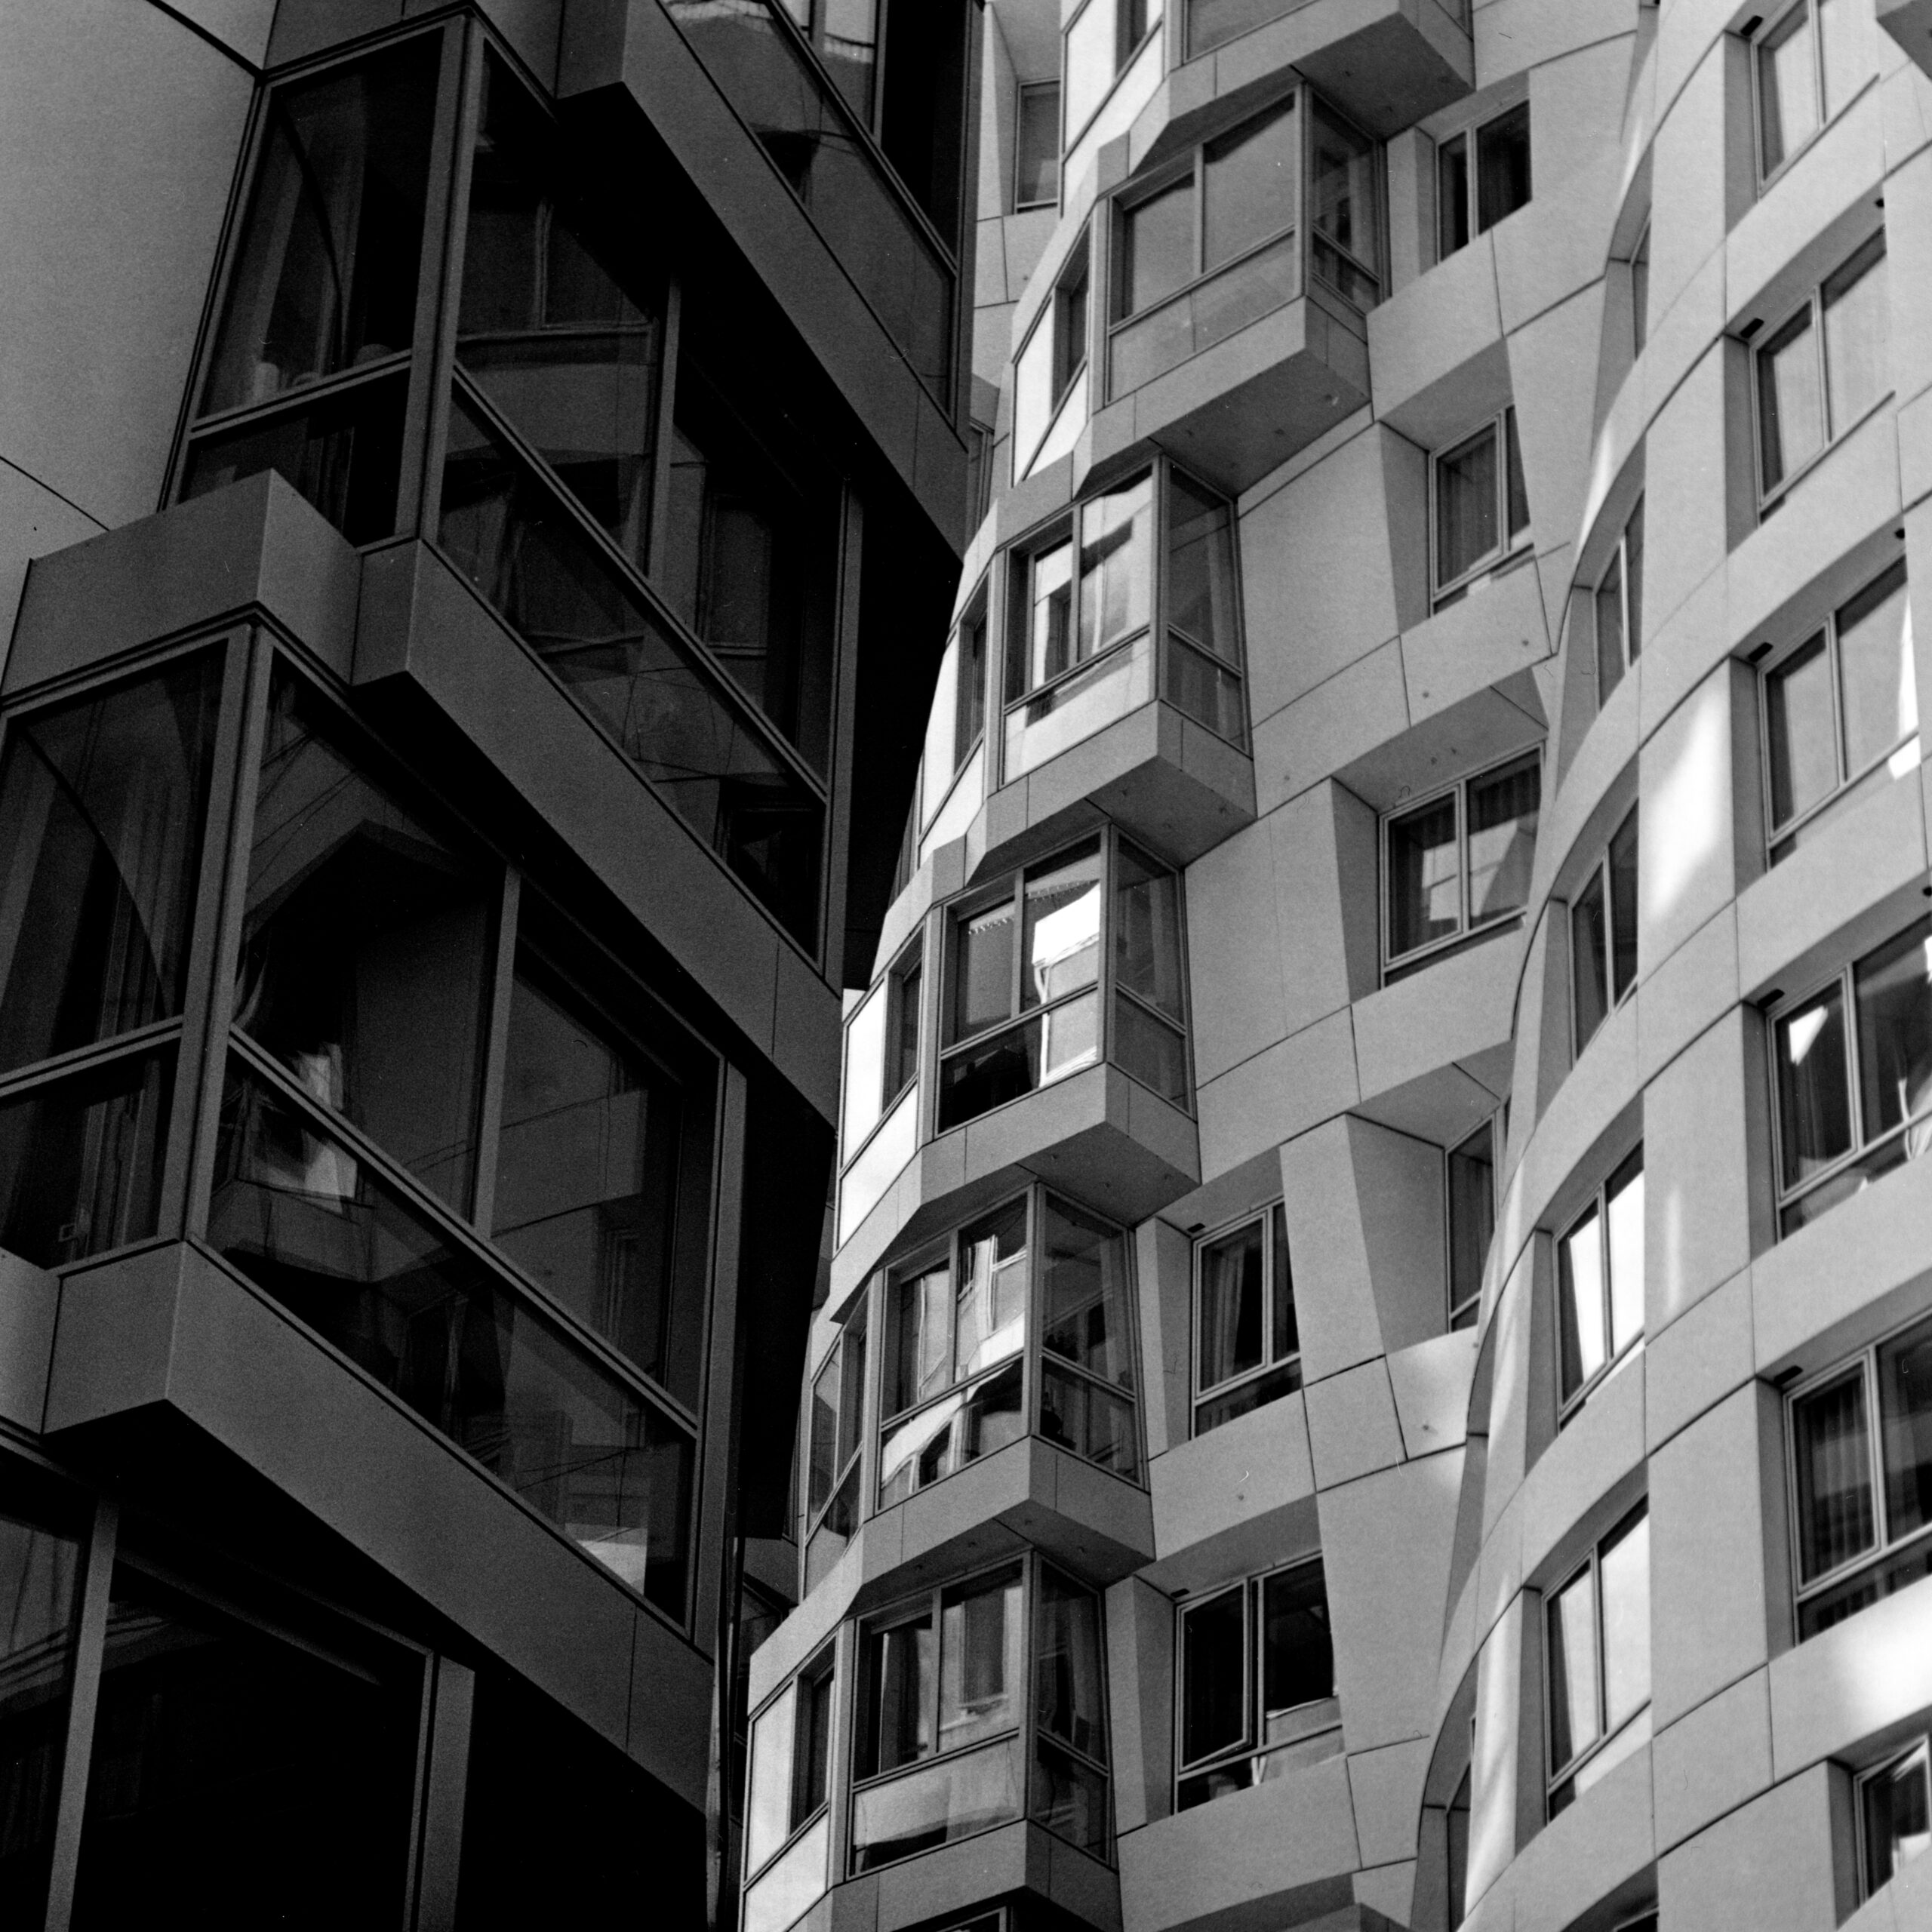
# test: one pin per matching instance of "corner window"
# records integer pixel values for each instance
(1104, 37)
(1460, 863)
(1840, 711)
(1861, 1468)
(1247, 1342)
(1820, 371)
(1470, 200)
(1597, 1658)
(1482, 508)
(1036, 146)
(1894, 1814)
(1257, 1684)
(1617, 606)
(787, 1832)
(1600, 1283)
(1811, 60)
(836, 1423)
(1603, 935)
(1046, 413)
(1854, 1077)
(1470, 1190)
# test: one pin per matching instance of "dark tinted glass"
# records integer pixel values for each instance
(1814, 1089)
(1297, 1649)
(1471, 1220)
(1905, 1410)
(1211, 22)
(1285, 1337)
(102, 806)
(1214, 1676)
(1157, 247)
(969, 712)
(1503, 166)
(1201, 569)
(1249, 184)
(1624, 907)
(1067, 1699)
(1898, 1804)
(366, 947)
(1836, 1519)
(811, 1752)
(1893, 988)
(1084, 1294)
(1452, 195)
(331, 244)
(1590, 960)
(1036, 160)
(896, 1690)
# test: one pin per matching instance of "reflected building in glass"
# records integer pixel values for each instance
(489, 484)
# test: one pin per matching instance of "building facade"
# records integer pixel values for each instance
(1377, 1368)
(481, 487)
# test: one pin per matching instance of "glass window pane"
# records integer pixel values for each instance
(1231, 1304)
(1085, 1294)
(1831, 1444)
(365, 949)
(983, 1637)
(1452, 195)
(1609, 606)
(1503, 838)
(1156, 245)
(970, 1792)
(822, 1447)
(1153, 1052)
(768, 1807)
(896, 1711)
(1344, 208)
(1210, 23)
(1036, 152)
(1519, 486)
(1877, 675)
(1897, 1806)
(1503, 166)
(1892, 988)
(1201, 569)
(1042, 643)
(1063, 930)
(990, 1317)
(921, 1362)
(326, 278)
(1032, 392)
(1787, 88)
(1248, 189)
(1425, 877)
(1624, 1207)
(1799, 732)
(1905, 1408)
(1471, 1216)
(1089, 1420)
(1090, 64)
(1297, 1648)
(851, 1386)
(902, 1044)
(102, 808)
(1791, 410)
(1284, 1337)
(1814, 1096)
(862, 1093)
(1622, 869)
(812, 1754)
(1116, 566)
(1856, 370)
(1147, 931)
(1069, 1798)
(1214, 1715)
(1845, 52)
(1465, 506)
(1625, 1571)
(1573, 1669)
(1581, 1335)
(982, 968)
(1589, 961)
(849, 47)
(970, 702)
(1068, 1701)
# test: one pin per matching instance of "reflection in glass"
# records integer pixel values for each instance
(1116, 566)
(1213, 1702)
(1036, 147)
(1814, 1097)
(1203, 650)
(1035, 1054)
(1589, 967)
(102, 806)
(1231, 1305)
(1465, 506)
(1156, 245)
(1084, 1300)
(1895, 1806)
(1250, 181)
(297, 1213)
(1625, 1571)
(1503, 838)
(1801, 730)
(365, 948)
(1062, 931)
(1892, 988)
(1345, 208)
(989, 1312)
(1904, 1406)
(1877, 674)
(941, 1439)
(1791, 413)
(1503, 166)
(982, 1641)
(1580, 1303)
(952, 1798)
(1856, 373)
(1425, 876)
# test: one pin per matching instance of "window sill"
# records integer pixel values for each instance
(1513, 560)
(1410, 964)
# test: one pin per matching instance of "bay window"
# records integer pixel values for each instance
(836, 1425)
(1810, 61)
(1600, 1283)
(787, 1821)
(1470, 200)
(1840, 711)
(1617, 606)
(1894, 1814)
(1257, 1684)
(1596, 1661)
(1459, 862)
(1860, 1439)
(1853, 1077)
(1482, 519)
(1247, 1344)
(1603, 935)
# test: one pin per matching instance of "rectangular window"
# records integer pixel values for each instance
(1248, 1345)
(1211, 23)
(1600, 1283)
(1470, 200)
(1344, 207)
(1257, 1684)
(1204, 674)
(1036, 146)
(1069, 1775)
(1460, 863)
(1104, 36)
(1482, 507)
(881, 1050)
(1811, 60)
(1894, 1814)
(1471, 1193)
(1840, 711)
(1603, 935)
(1596, 1661)
(791, 1743)
(836, 1430)
(1617, 607)
(1853, 1077)
(1049, 367)
(1819, 372)
(1861, 1469)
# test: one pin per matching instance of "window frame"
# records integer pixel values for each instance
(1398, 966)
(1758, 40)
(1263, 1217)
(1627, 1170)
(1629, 600)
(1126, 51)
(1599, 869)
(1466, 1313)
(1068, 350)
(1513, 549)
(821, 1667)
(1893, 1762)
(849, 1382)
(1021, 90)
(1470, 134)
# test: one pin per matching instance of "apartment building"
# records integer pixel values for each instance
(1377, 1364)
(481, 488)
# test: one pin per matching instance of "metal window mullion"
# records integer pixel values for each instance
(83, 1702)
(1854, 1083)
(496, 1052)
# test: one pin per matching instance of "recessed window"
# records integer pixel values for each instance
(1894, 1814)
(786, 1831)
(1257, 1684)
(1482, 507)
(1459, 862)
(881, 1049)
(1617, 606)
(1603, 935)
(1820, 371)
(1600, 1283)
(1036, 146)
(1470, 200)
(1203, 636)
(1048, 368)
(1597, 1657)
(1248, 1345)
(836, 1431)
(1841, 711)
(1861, 1453)
(1471, 1194)
(1104, 37)
(1854, 1077)
(1810, 61)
